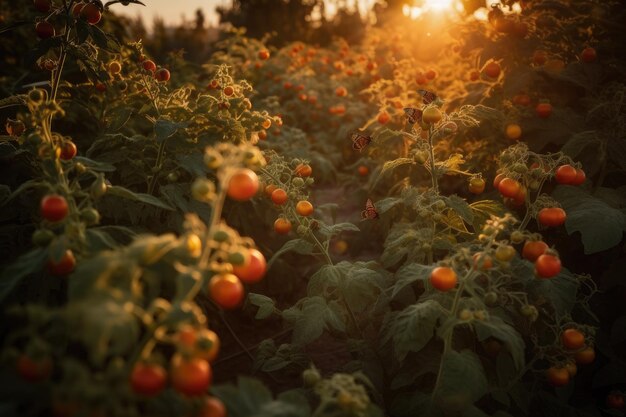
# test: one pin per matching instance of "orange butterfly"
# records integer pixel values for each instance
(360, 141)
(427, 96)
(370, 211)
(414, 115)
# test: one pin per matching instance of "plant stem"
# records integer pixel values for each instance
(433, 174)
(157, 164)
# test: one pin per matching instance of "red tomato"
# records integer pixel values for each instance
(279, 196)
(190, 376)
(68, 150)
(282, 226)
(264, 54)
(91, 13)
(443, 278)
(492, 69)
(341, 91)
(229, 90)
(474, 75)
(64, 266)
(363, 170)
(431, 74)
(43, 6)
(615, 401)
(533, 249)
(509, 187)
(54, 208)
(149, 65)
(226, 290)
(243, 184)
(304, 208)
(148, 379)
(558, 376)
(552, 216)
(383, 118)
(540, 57)
(566, 174)
(588, 55)
(34, 370)
(304, 170)
(543, 110)
(573, 339)
(580, 177)
(585, 356)
(77, 9)
(212, 407)
(498, 178)
(162, 75)
(254, 270)
(44, 30)
(547, 266)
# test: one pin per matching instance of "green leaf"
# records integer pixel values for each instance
(483, 210)
(164, 128)
(579, 142)
(391, 165)
(119, 117)
(244, 400)
(416, 404)
(408, 274)
(266, 305)
(461, 207)
(462, 378)
(299, 246)
(386, 204)
(311, 318)
(139, 197)
(335, 229)
(412, 328)
(496, 327)
(95, 165)
(24, 187)
(25, 265)
(600, 225)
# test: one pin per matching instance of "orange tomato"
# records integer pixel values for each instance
(558, 376)
(190, 376)
(588, 55)
(304, 208)
(492, 69)
(304, 170)
(279, 196)
(513, 131)
(551, 216)
(509, 187)
(533, 249)
(585, 356)
(443, 278)
(254, 270)
(243, 184)
(282, 226)
(229, 90)
(383, 118)
(573, 339)
(212, 407)
(226, 290)
(363, 170)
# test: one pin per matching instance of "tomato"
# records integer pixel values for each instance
(513, 131)
(207, 345)
(34, 370)
(547, 266)
(226, 290)
(341, 91)
(520, 30)
(186, 336)
(615, 401)
(15, 127)
(303, 170)
(212, 407)
(543, 110)
(279, 196)
(572, 369)
(580, 177)
(243, 184)
(520, 198)
(509, 187)
(254, 270)
(262, 134)
(431, 74)
(557, 376)
(162, 75)
(115, 67)
(282, 226)
(566, 174)
(482, 261)
(492, 346)
(190, 376)
(77, 9)
(533, 249)
(54, 208)
(229, 90)
(304, 208)
(149, 65)
(551, 216)
(91, 13)
(504, 253)
(585, 356)
(383, 118)
(101, 87)
(68, 150)
(264, 54)
(588, 55)
(555, 66)
(431, 115)
(269, 189)
(492, 70)
(522, 100)
(474, 75)
(43, 6)
(148, 379)
(363, 170)
(44, 30)
(540, 57)
(573, 339)
(498, 178)
(340, 246)
(64, 266)
(267, 123)
(443, 278)
(421, 80)
(476, 185)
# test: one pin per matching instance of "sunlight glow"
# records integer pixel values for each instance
(434, 6)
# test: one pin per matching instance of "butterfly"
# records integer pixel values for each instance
(414, 115)
(427, 96)
(370, 211)
(360, 141)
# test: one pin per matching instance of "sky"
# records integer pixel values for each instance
(172, 10)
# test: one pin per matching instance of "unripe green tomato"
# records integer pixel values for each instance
(528, 310)
(520, 168)
(213, 159)
(311, 377)
(34, 139)
(302, 230)
(491, 298)
(298, 182)
(42, 237)
(309, 181)
(480, 315)
(237, 258)
(80, 168)
(440, 204)
(37, 95)
(517, 237)
(423, 213)
(420, 157)
(437, 217)
(172, 177)
(90, 216)
(466, 314)
(221, 236)
(98, 188)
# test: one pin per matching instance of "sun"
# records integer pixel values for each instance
(437, 5)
